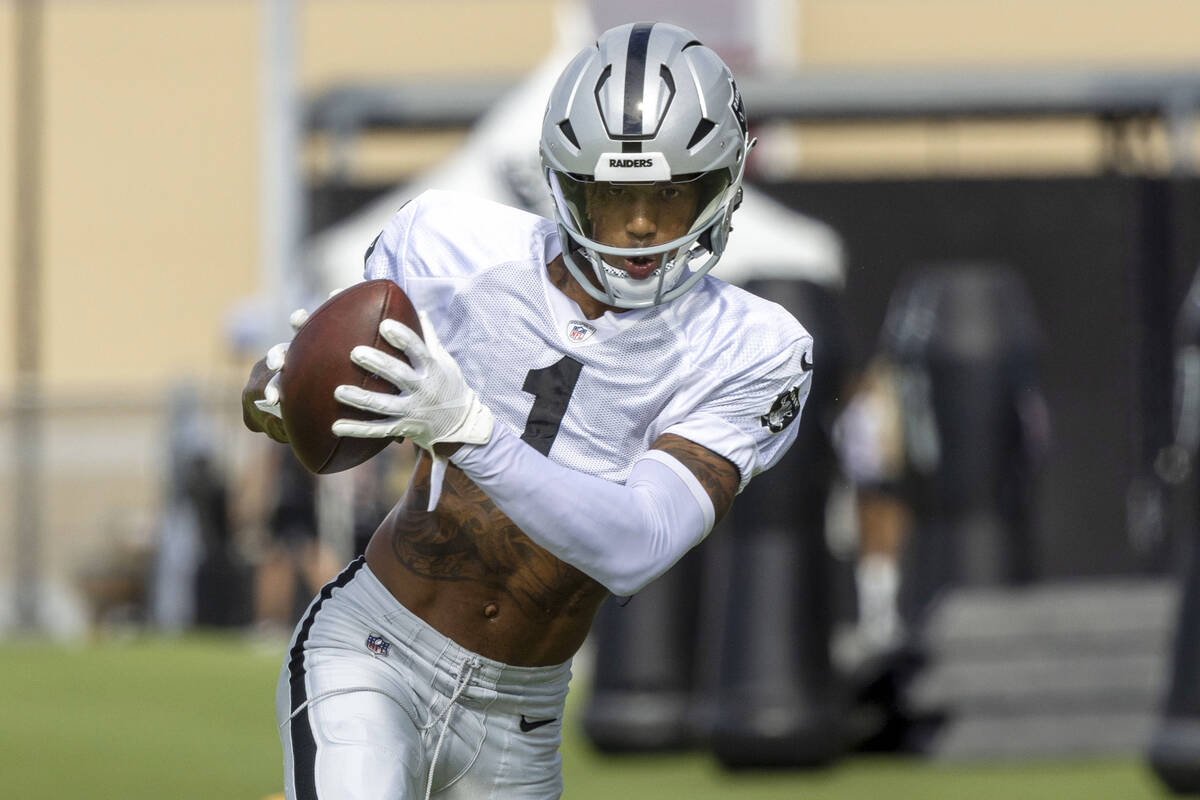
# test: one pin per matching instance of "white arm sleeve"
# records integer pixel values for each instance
(623, 536)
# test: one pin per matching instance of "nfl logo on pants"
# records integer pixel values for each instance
(377, 644)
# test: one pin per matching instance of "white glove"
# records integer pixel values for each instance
(275, 356)
(435, 404)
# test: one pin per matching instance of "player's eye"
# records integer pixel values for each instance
(669, 192)
(614, 190)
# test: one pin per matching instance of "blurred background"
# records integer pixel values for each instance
(979, 557)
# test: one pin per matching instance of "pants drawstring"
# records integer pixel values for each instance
(312, 701)
(465, 671)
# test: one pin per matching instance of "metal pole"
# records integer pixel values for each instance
(284, 283)
(27, 405)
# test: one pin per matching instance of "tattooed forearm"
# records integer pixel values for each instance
(716, 474)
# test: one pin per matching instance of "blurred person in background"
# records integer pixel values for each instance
(870, 438)
(1172, 750)
(295, 563)
(439, 663)
(944, 438)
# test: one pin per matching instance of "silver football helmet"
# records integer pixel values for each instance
(645, 113)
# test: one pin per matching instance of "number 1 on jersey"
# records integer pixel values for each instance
(551, 388)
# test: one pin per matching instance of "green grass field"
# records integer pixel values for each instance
(193, 718)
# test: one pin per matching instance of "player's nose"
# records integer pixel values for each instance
(641, 223)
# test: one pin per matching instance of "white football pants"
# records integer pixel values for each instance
(374, 703)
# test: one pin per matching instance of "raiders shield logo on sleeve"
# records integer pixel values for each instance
(783, 411)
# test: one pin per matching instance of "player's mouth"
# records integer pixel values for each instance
(640, 267)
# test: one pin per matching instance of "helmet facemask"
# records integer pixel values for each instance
(678, 217)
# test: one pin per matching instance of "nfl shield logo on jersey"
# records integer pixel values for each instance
(377, 644)
(578, 331)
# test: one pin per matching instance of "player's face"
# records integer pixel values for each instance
(640, 215)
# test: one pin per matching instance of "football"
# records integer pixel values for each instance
(318, 361)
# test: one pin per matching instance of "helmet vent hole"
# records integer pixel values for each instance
(665, 74)
(702, 130)
(692, 43)
(569, 132)
(605, 74)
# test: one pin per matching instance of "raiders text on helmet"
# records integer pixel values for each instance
(646, 103)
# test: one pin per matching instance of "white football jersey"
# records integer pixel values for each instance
(718, 366)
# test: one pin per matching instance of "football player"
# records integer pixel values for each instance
(587, 401)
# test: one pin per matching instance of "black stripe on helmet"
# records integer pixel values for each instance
(635, 78)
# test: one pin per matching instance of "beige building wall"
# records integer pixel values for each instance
(150, 217)
(977, 34)
(984, 32)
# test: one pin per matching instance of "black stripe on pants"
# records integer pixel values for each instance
(304, 745)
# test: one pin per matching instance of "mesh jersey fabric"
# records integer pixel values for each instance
(710, 366)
